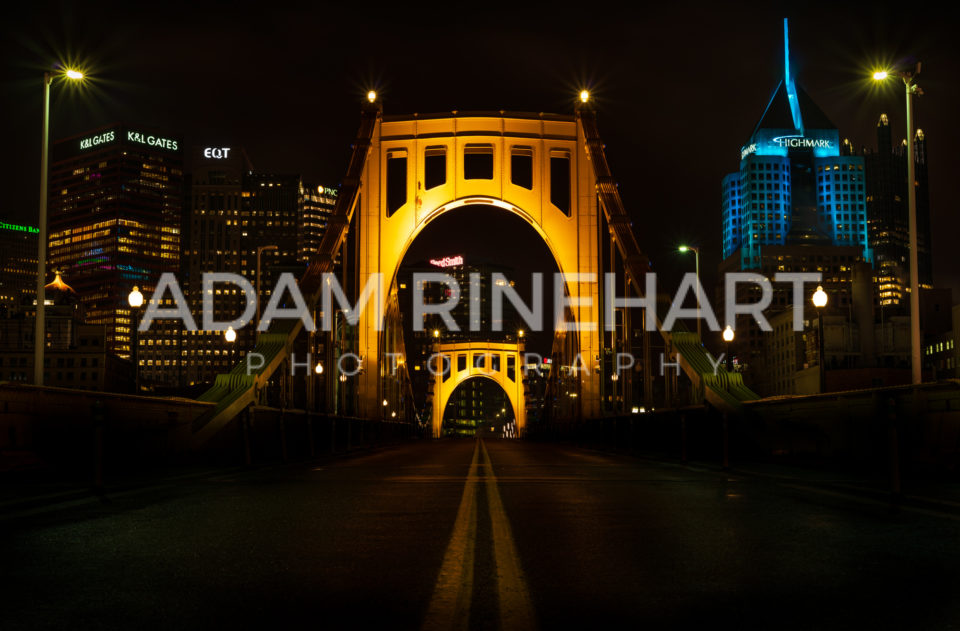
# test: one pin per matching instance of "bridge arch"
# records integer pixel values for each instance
(458, 363)
(493, 202)
(534, 166)
(513, 406)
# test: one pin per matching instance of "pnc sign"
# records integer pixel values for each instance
(326, 190)
(216, 153)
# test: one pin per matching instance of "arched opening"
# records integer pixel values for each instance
(486, 240)
(479, 406)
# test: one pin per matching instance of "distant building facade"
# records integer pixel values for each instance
(115, 205)
(18, 265)
(231, 212)
(76, 354)
(887, 212)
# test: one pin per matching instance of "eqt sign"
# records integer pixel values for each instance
(216, 153)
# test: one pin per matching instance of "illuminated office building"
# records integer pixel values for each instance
(797, 183)
(18, 265)
(232, 211)
(318, 204)
(115, 202)
(797, 203)
(887, 212)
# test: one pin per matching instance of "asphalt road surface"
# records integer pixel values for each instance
(475, 534)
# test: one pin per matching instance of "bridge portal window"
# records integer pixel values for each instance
(478, 162)
(511, 368)
(480, 360)
(461, 362)
(396, 180)
(521, 167)
(445, 367)
(495, 362)
(560, 180)
(434, 167)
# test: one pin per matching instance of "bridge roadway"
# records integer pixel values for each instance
(477, 535)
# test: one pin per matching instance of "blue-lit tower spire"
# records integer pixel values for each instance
(791, 87)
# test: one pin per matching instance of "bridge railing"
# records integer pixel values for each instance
(889, 439)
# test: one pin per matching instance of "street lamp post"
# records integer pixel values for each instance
(727, 338)
(260, 250)
(136, 301)
(696, 256)
(318, 387)
(820, 301)
(911, 89)
(39, 330)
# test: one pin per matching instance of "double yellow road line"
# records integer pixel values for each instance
(453, 592)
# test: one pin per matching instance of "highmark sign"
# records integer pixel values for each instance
(794, 142)
(779, 142)
(131, 136)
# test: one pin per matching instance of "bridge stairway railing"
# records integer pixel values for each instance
(234, 391)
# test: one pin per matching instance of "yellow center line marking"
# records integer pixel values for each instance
(453, 592)
(516, 608)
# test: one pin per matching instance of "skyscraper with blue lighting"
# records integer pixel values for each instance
(797, 183)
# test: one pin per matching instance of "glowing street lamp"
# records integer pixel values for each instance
(39, 328)
(727, 338)
(318, 369)
(696, 254)
(911, 89)
(820, 301)
(372, 96)
(135, 299)
(584, 96)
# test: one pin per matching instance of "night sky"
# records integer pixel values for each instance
(678, 90)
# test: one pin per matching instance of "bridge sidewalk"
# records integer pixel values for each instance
(927, 494)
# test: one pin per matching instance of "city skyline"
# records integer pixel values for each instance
(309, 132)
(482, 318)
